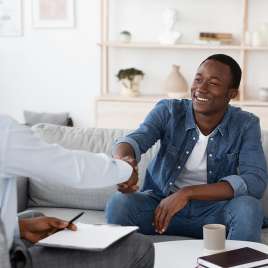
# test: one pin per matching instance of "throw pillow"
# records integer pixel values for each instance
(33, 118)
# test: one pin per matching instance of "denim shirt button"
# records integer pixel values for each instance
(210, 172)
(179, 167)
(171, 183)
(187, 152)
(211, 139)
(194, 138)
(210, 155)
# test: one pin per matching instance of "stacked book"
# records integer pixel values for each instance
(238, 258)
(222, 38)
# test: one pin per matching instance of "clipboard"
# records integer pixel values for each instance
(92, 237)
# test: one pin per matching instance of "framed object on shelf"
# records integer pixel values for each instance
(53, 13)
(10, 18)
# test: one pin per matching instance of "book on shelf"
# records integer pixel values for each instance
(238, 258)
(225, 38)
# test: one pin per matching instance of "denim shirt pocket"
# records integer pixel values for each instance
(232, 156)
(229, 164)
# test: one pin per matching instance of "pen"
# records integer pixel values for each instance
(75, 218)
(69, 222)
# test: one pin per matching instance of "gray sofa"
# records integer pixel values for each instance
(65, 202)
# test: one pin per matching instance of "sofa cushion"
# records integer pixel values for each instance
(32, 118)
(93, 140)
(53, 195)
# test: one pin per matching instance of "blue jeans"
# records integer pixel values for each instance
(243, 216)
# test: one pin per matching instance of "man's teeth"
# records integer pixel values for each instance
(201, 99)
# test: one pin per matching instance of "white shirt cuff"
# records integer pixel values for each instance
(124, 170)
(17, 229)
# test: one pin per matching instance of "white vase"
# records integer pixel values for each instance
(263, 93)
(131, 88)
(256, 39)
(175, 84)
(264, 33)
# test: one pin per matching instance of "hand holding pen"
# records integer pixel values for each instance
(70, 224)
(34, 229)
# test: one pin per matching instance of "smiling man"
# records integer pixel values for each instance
(210, 167)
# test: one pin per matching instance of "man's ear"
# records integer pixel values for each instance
(233, 92)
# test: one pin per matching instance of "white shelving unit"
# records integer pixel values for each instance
(115, 111)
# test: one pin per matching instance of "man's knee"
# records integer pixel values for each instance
(119, 208)
(241, 210)
(246, 207)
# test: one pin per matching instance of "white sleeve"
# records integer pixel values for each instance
(24, 154)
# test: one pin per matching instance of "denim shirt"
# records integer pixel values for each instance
(234, 150)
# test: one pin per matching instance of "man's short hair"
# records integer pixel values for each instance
(233, 65)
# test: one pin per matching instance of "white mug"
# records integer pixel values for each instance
(214, 237)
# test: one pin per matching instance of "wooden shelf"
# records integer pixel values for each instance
(255, 103)
(115, 44)
(142, 98)
(181, 46)
(156, 98)
(261, 48)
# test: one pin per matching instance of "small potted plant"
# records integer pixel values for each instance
(130, 81)
(125, 36)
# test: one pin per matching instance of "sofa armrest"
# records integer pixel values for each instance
(22, 192)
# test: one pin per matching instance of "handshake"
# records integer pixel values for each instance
(130, 185)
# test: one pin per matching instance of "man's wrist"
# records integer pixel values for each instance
(123, 149)
(186, 192)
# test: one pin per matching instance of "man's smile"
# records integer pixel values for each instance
(200, 99)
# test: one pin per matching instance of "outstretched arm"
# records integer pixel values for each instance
(24, 154)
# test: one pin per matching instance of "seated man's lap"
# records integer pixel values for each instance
(138, 209)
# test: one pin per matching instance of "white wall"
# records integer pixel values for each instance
(53, 70)
(57, 70)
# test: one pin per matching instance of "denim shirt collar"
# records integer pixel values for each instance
(222, 127)
(190, 120)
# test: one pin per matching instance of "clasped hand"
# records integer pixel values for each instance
(167, 208)
(130, 185)
(34, 229)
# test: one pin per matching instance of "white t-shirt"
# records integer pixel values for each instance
(195, 170)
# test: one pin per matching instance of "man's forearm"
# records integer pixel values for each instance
(124, 149)
(209, 192)
(22, 227)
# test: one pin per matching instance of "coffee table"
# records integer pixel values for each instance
(184, 253)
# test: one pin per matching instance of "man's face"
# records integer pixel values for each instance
(211, 90)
